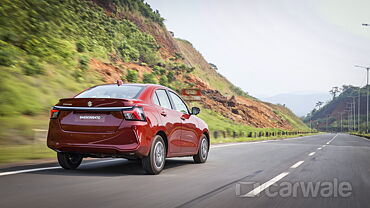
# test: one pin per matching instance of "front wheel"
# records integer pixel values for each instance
(69, 161)
(154, 162)
(202, 155)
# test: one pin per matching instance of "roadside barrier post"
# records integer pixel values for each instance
(215, 134)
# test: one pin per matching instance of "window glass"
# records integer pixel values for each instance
(163, 99)
(112, 91)
(179, 104)
(155, 99)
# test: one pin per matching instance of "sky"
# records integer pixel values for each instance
(269, 47)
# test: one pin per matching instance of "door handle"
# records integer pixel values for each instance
(163, 113)
(182, 118)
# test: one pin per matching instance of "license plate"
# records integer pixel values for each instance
(90, 118)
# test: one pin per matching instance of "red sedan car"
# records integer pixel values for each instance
(133, 121)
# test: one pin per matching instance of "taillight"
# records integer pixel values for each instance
(54, 113)
(135, 114)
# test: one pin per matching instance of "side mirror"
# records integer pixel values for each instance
(195, 111)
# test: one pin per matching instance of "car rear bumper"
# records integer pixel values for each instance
(130, 140)
(99, 150)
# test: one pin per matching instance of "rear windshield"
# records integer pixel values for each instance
(112, 91)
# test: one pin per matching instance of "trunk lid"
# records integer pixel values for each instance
(92, 114)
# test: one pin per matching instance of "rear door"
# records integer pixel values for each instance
(170, 119)
(189, 138)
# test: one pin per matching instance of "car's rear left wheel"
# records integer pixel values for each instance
(202, 155)
(69, 161)
(154, 162)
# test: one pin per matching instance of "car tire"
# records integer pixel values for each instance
(202, 155)
(69, 161)
(154, 163)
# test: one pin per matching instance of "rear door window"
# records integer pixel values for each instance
(179, 104)
(164, 101)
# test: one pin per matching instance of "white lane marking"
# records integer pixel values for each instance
(47, 168)
(294, 138)
(226, 145)
(256, 142)
(312, 153)
(323, 146)
(332, 139)
(297, 164)
(27, 171)
(235, 144)
(262, 187)
(319, 148)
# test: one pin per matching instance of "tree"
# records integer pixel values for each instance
(149, 78)
(334, 91)
(131, 76)
(313, 112)
(213, 66)
(171, 76)
(346, 87)
(319, 104)
(163, 80)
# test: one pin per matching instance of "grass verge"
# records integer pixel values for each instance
(367, 136)
(18, 153)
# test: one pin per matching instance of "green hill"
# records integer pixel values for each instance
(55, 48)
(337, 114)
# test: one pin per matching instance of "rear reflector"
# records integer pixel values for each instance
(136, 114)
(54, 113)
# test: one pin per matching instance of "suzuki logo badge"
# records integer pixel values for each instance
(89, 103)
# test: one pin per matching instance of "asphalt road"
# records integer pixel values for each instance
(235, 175)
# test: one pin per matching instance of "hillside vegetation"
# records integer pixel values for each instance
(55, 48)
(337, 114)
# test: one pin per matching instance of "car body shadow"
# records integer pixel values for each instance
(113, 168)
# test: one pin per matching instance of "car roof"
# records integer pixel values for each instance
(136, 84)
(147, 86)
